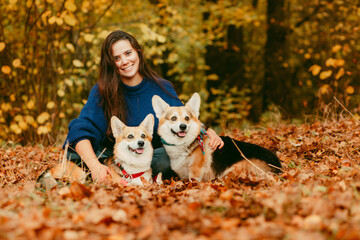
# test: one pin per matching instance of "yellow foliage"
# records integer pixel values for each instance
(336, 48)
(325, 74)
(340, 73)
(2, 46)
(70, 5)
(60, 93)
(89, 37)
(307, 55)
(18, 118)
(23, 125)
(16, 63)
(42, 130)
(6, 69)
(315, 69)
(59, 21)
(70, 47)
(339, 62)
(350, 90)
(161, 39)
(43, 117)
(70, 19)
(15, 128)
(52, 20)
(213, 77)
(78, 63)
(324, 89)
(30, 119)
(68, 82)
(30, 104)
(50, 105)
(6, 107)
(12, 2)
(335, 62)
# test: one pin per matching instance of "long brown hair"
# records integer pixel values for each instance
(109, 83)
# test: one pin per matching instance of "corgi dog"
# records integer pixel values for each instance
(190, 155)
(131, 161)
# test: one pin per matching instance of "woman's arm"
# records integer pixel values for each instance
(215, 140)
(98, 171)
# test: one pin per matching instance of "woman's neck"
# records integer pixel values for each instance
(134, 81)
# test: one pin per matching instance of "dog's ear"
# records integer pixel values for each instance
(159, 106)
(148, 123)
(116, 126)
(194, 104)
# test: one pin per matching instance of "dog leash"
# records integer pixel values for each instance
(128, 176)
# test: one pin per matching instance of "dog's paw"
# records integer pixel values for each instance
(192, 179)
(158, 179)
(144, 181)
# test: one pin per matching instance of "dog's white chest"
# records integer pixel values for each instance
(179, 160)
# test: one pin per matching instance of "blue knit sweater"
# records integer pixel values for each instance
(92, 125)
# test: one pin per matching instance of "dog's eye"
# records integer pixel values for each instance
(143, 136)
(187, 118)
(173, 118)
(130, 136)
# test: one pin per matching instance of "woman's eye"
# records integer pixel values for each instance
(187, 118)
(128, 53)
(130, 136)
(173, 118)
(143, 136)
(116, 59)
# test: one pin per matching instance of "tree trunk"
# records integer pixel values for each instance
(227, 63)
(277, 83)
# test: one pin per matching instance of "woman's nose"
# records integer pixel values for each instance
(125, 60)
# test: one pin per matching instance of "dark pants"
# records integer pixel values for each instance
(159, 163)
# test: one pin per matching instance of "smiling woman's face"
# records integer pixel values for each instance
(127, 62)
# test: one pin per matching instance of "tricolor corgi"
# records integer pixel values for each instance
(131, 161)
(191, 157)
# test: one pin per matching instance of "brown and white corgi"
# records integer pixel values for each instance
(187, 145)
(131, 161)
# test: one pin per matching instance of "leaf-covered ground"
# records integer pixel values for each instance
(317, 196)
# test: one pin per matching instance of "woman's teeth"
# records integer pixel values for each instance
(127, 69)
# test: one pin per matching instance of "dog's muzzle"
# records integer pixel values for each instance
(139, 150)
(182, 132)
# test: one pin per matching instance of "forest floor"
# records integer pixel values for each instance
(317, 196)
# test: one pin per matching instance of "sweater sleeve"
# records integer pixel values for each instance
(91, 123)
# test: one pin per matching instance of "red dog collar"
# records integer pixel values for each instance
(128, 176)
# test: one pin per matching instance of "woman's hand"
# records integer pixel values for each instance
(99, 172)
(215, 140)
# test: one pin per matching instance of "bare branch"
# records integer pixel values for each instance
(100, 17)
(308, 17)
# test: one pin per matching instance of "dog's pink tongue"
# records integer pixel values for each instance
(139, 150)
(181, 134)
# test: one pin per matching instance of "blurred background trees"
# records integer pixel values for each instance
(244, 57)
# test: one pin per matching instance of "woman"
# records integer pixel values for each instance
(125, 88)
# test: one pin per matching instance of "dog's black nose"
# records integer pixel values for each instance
(141, 143)
(183, 127)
